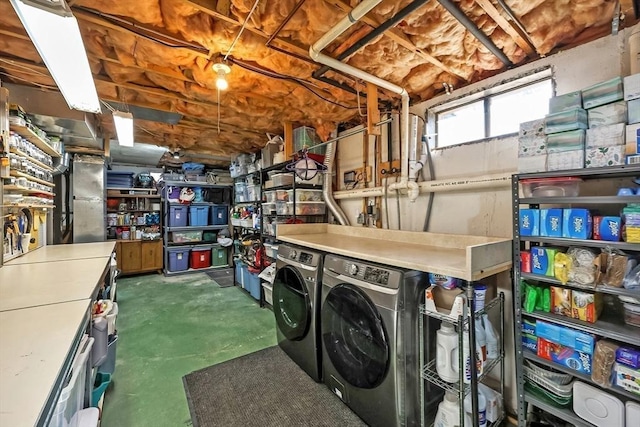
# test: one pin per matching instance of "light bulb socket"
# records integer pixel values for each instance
(221, 69)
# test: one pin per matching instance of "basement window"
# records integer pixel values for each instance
(493, 112)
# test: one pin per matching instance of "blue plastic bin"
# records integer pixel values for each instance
(178, 259)
(239, 275)
(177, 216)
(198, 215)
(102, 382)
(219, 215)
(253, 285)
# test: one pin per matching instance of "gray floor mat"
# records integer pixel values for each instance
(223, 277)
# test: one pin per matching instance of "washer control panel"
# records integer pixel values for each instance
(371, 273)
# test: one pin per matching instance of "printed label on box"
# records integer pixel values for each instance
(627, 378)
(551, 222)
(576, 224)
(542, 260)
(585, 343)
(566, 356)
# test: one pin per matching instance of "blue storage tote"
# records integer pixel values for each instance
(177, 216)
(219, 215)
(102, 382)
(239, 275)
(253, 285)
(178, 259)
(198, 215)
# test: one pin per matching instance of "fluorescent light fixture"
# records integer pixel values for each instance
(221, 70)
(124, 128)
(54, 31)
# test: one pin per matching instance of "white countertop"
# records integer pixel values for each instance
(35, 343)
(31, 285)
(66, 252)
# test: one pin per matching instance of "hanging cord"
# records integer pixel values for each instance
(244, 24)
(358, 98)
(218, 90)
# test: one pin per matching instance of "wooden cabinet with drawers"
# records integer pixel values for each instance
(139, 256)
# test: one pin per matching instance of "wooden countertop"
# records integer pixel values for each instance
(36, 346)
(66, 252)
(465, 257)
(31, 285)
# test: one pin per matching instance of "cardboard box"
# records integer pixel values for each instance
(566, 141)
(525, 261)
(565, 160)
(586, 306)
(532, 129)
(551, 222)
(607, 228)
(632, 139)
(529, 327)
(561, 301)
(542, 260)
(603, 93)
(633, 111)
(628, 356)
(532, 146)
(633, 160)
(532, 164)
(627, 378)
(565, 102)
(631, 87)
(565, 356)
(530, 342)
(529, 222)
(606, 136)
(576, 223)
(568, 337)
(604, 156)
(608, 114)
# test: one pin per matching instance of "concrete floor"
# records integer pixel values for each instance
(167, 328)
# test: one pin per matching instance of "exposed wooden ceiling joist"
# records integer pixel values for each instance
(506, 26)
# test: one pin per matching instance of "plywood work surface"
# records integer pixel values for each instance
(66, 252)
(464, 257)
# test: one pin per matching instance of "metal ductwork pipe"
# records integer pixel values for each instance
(327, 192)
(454, 10)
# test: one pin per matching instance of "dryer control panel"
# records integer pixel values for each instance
(375, 274)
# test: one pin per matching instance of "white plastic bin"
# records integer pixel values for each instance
(71, 399)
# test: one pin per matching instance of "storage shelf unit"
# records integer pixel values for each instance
(19, 174)
(31, 136)
(197, 227)
(26, 190)
(610, 324)
(38, 163)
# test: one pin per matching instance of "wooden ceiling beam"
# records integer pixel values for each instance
(7, 32)
(205, 6)
(398, 37)
(506, 26)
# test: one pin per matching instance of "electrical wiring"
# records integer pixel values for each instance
(279, 76)
(244, 24)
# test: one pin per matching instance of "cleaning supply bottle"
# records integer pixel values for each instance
(448, 414)
(493, 341)
(481, 338)
(482, 411)
(447, 353)
(466, 357)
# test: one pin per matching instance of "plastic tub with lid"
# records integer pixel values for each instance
(305, 195)
(551, 187)
(632, 314)
(596, 406)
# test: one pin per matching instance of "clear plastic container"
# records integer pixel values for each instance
(307, 208)
(270, 196)
(269, 208)
(632, 314)
(305, 195)
(186, 236)
(556, 377)
(282, 208)
(551, 187)
(282, 179)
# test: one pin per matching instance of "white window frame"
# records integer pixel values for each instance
(532, 77)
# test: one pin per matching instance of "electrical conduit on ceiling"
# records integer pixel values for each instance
(315, 53)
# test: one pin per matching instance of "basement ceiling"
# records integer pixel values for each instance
(158, 54)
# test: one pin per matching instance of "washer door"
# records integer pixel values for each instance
(291, 303)
(354, 336)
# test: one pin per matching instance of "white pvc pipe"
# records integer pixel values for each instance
(439, 186)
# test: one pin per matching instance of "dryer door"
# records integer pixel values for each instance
(354, 336)
(291, 303)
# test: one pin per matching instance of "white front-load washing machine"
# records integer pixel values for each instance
(370, 352)
(296, 302)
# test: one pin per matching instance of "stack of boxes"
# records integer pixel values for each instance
(596, 127)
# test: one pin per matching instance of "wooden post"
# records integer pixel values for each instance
(288, 140)
(373, 113)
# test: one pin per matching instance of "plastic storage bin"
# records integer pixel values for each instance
(269, 208)
(109, 365)
(253, 284)
(102, 382)
(305, 195)
(307, 208)
(219, 215)
(253, 192)
(551, 187)
(198, 215)
(282, 179)
(282, 208)
(71, 398)
(218, 256)
(632, 314)
(200, 257)
(268, 293)
(186, 236)
(271, 250)
(177, 216)
(238, 270)
(270, 196)
(209, 236)
(240, 191)
(178, 259)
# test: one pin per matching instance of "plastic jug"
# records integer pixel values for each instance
(493, 341)
(481, 338)
(447, 353)
(466, 357)
(482, 411)
(448, 414)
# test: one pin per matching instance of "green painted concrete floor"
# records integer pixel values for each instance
(167, 328)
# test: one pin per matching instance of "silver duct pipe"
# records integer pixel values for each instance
(327, 190)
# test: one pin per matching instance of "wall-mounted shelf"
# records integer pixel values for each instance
(581, 242)
(38, 163)
(22, 205)
(31, 178)
(26, 190)
(31, 136)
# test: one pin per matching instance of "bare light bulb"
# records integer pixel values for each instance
(221, 81)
